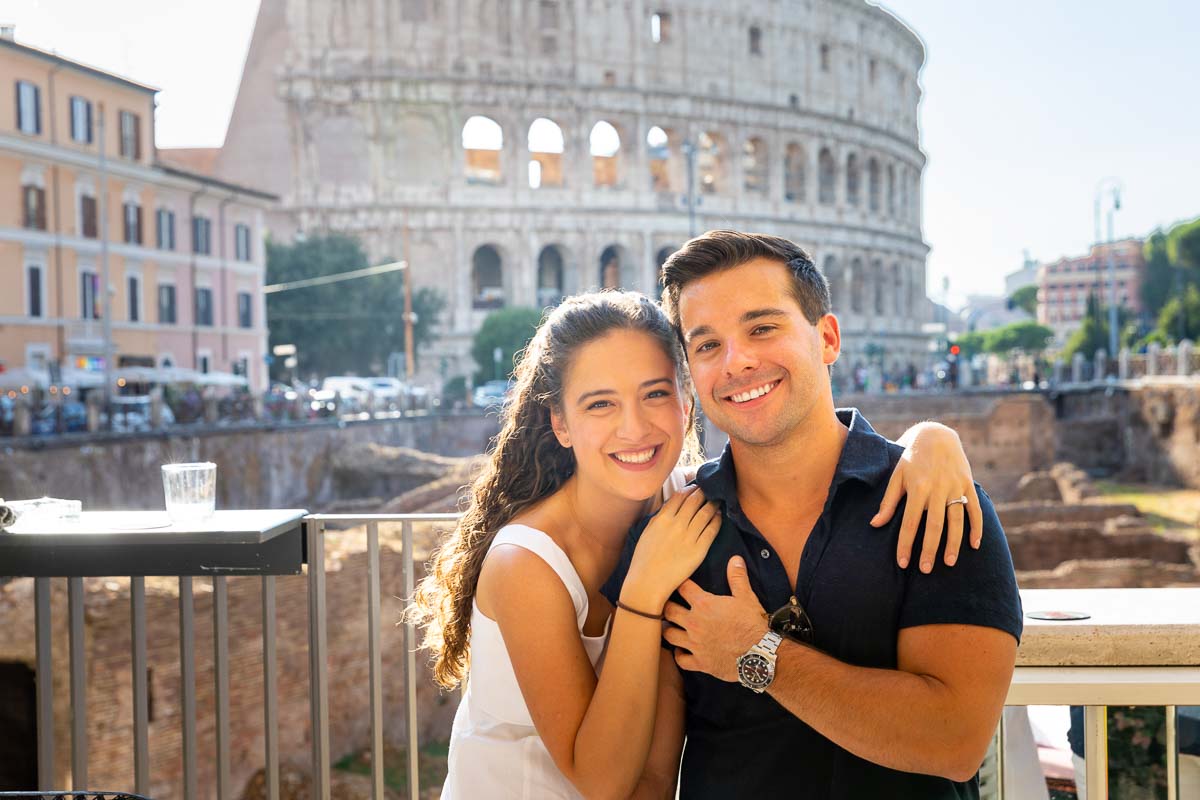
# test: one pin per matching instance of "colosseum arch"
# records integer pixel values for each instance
(663, 159)
(755, 175)
(545, 154)
(483, 144)
(420, 151)
(551, 288)
(873, 184)
(856, 280)
(899, 291)
(487, 277)
(853, 180)
(341, 145)
(711, 162)
(879, 287)
(891, 190)
(794, 160)
(616, 268)
(660, 258)
(826, 178)
(604, 142)
(833, 276)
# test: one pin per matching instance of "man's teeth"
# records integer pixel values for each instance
(640, 457)
(745, 397)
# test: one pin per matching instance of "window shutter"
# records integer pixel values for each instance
(139, 224)
(37, 110)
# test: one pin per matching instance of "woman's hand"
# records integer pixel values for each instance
(672, 546)
(932, 471)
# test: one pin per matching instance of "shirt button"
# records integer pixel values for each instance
(765, 553)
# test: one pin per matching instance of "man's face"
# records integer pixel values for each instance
(758, 365)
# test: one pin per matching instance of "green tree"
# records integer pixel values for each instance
(1026, 336)
(1092, 334)
(1183, 246)
(508, 329)
(1160, 274)
(1180, 317)
(971, 343)
(351, 326)
(1025, 299)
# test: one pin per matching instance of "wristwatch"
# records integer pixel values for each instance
(756, 667)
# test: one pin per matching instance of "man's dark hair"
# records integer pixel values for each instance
(723, 249)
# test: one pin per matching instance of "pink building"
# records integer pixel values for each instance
(1064, 285)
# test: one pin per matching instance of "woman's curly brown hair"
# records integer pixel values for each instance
(527, 464)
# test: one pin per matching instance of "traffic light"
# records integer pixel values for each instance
(955, 349)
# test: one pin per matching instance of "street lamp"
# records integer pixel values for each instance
(1113, 187)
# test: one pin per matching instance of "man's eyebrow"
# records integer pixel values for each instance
(643, 385)
(749, 316)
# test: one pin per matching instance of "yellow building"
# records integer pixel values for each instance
(83, 193)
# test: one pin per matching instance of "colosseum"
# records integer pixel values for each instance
(524, 150)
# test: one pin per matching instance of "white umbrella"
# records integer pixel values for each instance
(82, 378)
(23, 376)
(220, 379)
(179, 375)
(140, 374)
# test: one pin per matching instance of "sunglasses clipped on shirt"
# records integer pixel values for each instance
(792, 622)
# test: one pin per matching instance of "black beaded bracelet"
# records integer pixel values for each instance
(624, 607)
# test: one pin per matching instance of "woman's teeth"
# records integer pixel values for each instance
(640, 457)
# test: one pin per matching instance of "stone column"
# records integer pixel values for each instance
(1123, 364)
(156, 407)
(1100, 372)
(1152, 352)
(1058, 370)
(22, 416)
(1184, 364)
(1077, 368)
(93, 412)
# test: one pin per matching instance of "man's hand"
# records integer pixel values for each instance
(716, 630)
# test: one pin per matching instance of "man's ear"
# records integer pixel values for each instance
(560, 429)
(831, 338)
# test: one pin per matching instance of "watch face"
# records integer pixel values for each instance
(754, 670)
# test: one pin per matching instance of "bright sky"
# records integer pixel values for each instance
(1028, 104)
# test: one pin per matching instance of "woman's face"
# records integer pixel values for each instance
(623, 414)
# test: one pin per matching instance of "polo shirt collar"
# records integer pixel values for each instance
(865, 457)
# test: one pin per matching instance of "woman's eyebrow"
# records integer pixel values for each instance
(644, 385)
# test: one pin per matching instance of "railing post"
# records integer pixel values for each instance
(376, 660)
(141, 708)
(410, 665)
(79, 731)
(221, 675)
(270, 698)
(318, 669)
(1172, 754)
(1095, 751)
(45, 684)
(187, 680)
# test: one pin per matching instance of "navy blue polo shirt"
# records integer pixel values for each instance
(742, 744)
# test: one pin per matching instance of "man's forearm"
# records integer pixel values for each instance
(896, 719)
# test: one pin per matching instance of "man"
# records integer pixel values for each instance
(886, 682)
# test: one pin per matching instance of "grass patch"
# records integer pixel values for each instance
(431, 760)
(1168, 510)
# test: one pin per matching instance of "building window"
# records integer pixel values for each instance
(755, 41)
(34, 282)
(245, 310)
(202, 363)
(133, 223)
(87, 216)
(241, 242)
(33, 207)
(872, 70)
(201, 235)
(164, 229)
(166, 304)
(81, 120)
(29, 108)
(131, 135)
(134, 284)
(824, 58)
(89, 295)
(204, 307)
(660, 27)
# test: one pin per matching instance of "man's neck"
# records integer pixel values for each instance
(795, 472)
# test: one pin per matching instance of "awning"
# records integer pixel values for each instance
(23, 376)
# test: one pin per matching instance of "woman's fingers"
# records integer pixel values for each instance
(935, 519)
(909, 523)
(891, 497)
(975, 510)
(954, 533)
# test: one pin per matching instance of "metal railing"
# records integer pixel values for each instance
(1093, 687)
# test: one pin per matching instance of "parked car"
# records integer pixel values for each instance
(354, 391)
(389, 392)
(131, 413)
(490, 394)
(73, 415)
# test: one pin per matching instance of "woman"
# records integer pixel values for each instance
(599, 417)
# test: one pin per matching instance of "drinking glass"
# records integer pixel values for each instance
(191, 491)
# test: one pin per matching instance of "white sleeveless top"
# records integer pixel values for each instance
(495, 752)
